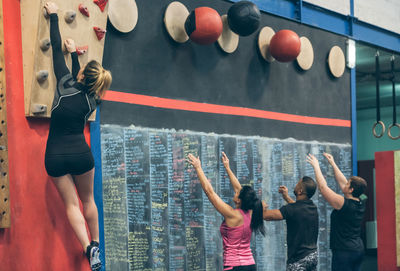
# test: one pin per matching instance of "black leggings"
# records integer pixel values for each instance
(347, 260)
(242, 268)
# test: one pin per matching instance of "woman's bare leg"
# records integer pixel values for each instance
(66, 188)
(84, 186)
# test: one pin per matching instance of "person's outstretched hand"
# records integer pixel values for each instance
(329, 157)
(225, 160)
(283, 190)
(312, 160)
(70, 45)
(50, 7)
(194, 161)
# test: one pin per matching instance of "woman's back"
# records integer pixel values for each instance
(236, 242)
(346, 226)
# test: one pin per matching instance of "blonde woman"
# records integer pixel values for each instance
(68, 159)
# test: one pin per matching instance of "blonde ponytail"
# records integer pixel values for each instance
(96, 78)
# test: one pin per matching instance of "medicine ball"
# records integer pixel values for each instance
(244, 18)
(203, 25)
(285, 45)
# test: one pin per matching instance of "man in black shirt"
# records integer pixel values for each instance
(302, 225)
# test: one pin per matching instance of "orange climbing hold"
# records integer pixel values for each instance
(99, 32)
(84, 10)
(101, 3)
(80, 50)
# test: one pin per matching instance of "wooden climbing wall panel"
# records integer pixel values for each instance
(5, 221)
(36, 29)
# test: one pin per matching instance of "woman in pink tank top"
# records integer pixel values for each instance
(239, 222)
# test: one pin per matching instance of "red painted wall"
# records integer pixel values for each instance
(385, 210)
(40, 237)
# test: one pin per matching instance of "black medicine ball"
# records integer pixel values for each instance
(244, 18)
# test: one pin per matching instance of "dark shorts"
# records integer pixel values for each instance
(58, 165)
(241, 268)
(347, 260)
(308, 263)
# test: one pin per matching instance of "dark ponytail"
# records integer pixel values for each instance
(257, 221)
(251, 202)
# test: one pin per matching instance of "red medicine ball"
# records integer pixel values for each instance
(285, 45)
(203, 25)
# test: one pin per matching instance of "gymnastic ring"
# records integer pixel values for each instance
(383, 129)
(390, 134)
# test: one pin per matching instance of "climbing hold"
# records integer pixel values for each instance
(80, 50)
(42, 75)
(39, 108)
(45, 44)
(84, 10)
(70, 16)
(99, 32)
(101, 3)
(45, 14)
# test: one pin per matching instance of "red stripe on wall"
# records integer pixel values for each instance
(122, 97)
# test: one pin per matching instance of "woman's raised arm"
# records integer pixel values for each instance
(59, 66)
(223, 208)
(334, 199)
(339, 177)
(234, 181)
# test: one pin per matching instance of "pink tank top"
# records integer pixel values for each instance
(236, 242)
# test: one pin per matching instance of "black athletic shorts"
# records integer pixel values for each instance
(58, 165)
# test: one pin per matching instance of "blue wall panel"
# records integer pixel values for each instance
(321, 18)
(284, 8)
(95, 146)
(376, 36)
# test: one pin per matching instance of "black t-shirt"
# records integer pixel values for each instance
(346, 226)
(302, 228)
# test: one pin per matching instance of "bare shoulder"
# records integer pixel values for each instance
(236, 219)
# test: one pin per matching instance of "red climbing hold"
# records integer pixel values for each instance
(99, 32)
(84, 10)
(80, 50)
(101, 3)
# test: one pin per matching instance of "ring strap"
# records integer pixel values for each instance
(393, 90)
(377, 77)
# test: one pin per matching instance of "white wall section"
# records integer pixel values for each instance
(339, 6)
(382, 13)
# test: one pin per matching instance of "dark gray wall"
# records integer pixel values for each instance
(147, 61)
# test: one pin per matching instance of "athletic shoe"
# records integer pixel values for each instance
(93, 254)
(94, 244)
